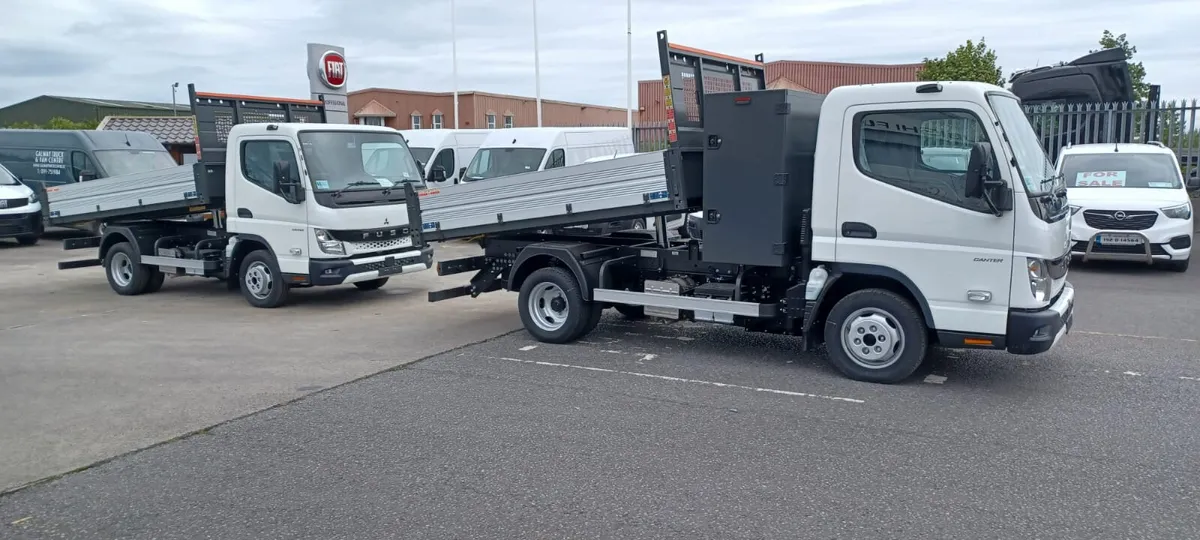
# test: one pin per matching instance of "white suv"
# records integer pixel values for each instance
(1128, 202)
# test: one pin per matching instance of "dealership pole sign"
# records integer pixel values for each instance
(327, 80)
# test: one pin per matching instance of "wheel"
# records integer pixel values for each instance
(631, 312)
(262, 282)
(27, 240)
(1178, 266)
(553, 309)
(155, 283)
(371, 285)
(639, 225)
(126, 277)
(875, 335)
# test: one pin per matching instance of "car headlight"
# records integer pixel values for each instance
(328, 244)
(1039, 279)
(1183, 211)
(1074, 209)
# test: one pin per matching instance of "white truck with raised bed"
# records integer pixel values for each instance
(821, 220)
(278, 199)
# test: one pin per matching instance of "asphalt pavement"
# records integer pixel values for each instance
(86, 374)
(656, 430)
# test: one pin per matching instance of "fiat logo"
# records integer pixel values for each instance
(333, 69)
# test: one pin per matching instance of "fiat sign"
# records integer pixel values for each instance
(332, 69)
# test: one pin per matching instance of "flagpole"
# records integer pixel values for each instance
(629, 64)
(537, 73)
(454, 62)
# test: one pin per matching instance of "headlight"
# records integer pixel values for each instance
(33, 198)
(1183, 211)
(1074, 209)
(329, 245)
(1039, 279)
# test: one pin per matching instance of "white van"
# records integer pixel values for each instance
(450, 149)
(520, 150)
(1128, 202)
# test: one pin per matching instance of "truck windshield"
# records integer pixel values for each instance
(497, 162)
(421, 154)
(1037, 174)
(357, 161)
(1121, 170)
(119, 162)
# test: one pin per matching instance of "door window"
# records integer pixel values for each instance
(80, 163)
(259, 158)
(558, 158)
(445, 160)
(921, 151)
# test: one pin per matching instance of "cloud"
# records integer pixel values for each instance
(135, 49)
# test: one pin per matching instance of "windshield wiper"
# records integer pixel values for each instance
(339, 192)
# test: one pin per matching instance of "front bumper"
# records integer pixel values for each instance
(23, 224)
(1035, 332)
(345, 271)
(1167, 240)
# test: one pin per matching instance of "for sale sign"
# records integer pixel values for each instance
(1100, 179)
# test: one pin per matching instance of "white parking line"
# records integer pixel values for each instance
(1191, 378)
(935, 379)
(528, 348)
(679, 379)
(1110, 334)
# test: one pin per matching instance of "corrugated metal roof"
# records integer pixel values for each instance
(167, 129)
(125, 104)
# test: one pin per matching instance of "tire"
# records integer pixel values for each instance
(261, 281)
(1178, 266)
(639, 225)
(155, 283)
(876, 320)
(27, 240)
(126, 277)
(552, 307)
(371, 285)
(631, 312)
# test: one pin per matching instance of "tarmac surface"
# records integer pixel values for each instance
(650, 430)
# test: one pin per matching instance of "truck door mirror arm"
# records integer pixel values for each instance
(287, 183)
(437, 174)
(982, 181)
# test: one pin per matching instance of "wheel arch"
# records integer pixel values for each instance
(847, 278)
(541, 256)
(244, 244)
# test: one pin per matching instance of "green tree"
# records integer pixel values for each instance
(969, 62)
(1137, 71)
(57, 122)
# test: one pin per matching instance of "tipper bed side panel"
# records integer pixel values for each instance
(609, 190)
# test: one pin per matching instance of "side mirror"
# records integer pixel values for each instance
(288, 183)
(438, 174)
(982, 179)
(84, 176)
(462, 171)
(979, 170)
(1193, 182)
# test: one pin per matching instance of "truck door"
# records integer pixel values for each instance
(257, 206)
(902, 210)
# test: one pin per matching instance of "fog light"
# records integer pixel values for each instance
(1042, 333)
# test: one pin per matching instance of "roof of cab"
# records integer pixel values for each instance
(80, 138)
(436, 137)
(846, 96)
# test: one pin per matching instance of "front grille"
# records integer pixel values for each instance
(18, 224)
(13, 203)
(375, 246)
(1120, 220)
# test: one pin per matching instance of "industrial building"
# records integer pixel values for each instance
(408, 109)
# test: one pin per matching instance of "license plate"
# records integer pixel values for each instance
(1119, 240)
(389, 267)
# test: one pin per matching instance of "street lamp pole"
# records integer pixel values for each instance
(174, 108)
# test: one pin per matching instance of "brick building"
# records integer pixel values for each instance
(407, 109)
(817, 77)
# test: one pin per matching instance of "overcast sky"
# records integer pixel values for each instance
(135, 49)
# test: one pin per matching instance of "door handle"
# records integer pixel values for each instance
(854, 229)
(244, 213)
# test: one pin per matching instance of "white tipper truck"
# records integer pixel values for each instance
(278, 199)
